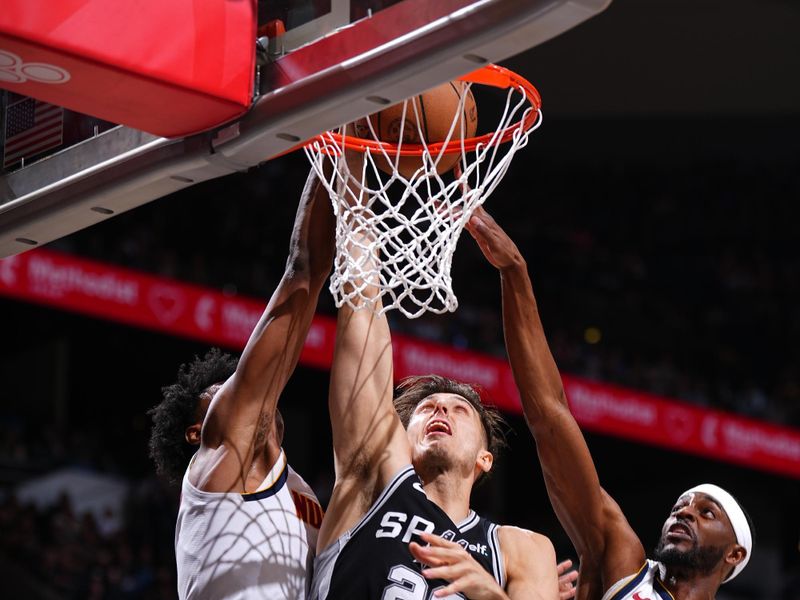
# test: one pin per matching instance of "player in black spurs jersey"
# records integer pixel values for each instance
(395, 487)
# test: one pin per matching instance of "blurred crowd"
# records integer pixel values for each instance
(72, 556)
(678, 279)
(55, 552)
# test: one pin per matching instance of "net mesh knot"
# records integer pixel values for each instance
(411, 225)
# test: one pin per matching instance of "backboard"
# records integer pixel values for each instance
(330, 62)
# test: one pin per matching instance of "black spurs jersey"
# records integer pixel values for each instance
(372, 560)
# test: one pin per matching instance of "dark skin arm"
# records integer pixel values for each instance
(239, 441)
(607, 546)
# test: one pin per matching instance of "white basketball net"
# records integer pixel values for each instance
(413, 222)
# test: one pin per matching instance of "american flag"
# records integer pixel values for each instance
(31, 128)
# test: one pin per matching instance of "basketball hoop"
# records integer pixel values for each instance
(414, 221)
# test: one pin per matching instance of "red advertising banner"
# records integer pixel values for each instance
(134, 298)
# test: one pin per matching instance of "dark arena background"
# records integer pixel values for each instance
(657, 208)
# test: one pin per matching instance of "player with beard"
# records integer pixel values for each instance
(707, 538)
(402, 478)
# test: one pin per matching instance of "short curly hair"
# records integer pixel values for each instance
(413, 390)
(177, 411)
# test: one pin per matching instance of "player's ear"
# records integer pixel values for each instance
(192, 434)
(735, 555)
(485, 461)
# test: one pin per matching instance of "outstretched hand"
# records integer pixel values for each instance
(497, 247)
(449, 561)
(567, 576)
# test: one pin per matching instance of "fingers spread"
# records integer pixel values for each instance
(446, 572)
(563, 566)
(566, 580)
(417, 552)
(569, 577)
(444, 592)
(436, 556)
(435, 540)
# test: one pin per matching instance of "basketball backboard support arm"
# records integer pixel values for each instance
(394, 54)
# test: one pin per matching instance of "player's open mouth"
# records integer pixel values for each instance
(679, 532)
(438, 426)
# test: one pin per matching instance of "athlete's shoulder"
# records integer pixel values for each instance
(530, 561)
(646, 579)
(519, 539)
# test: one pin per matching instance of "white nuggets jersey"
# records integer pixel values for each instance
(245, 546)
(645, 585)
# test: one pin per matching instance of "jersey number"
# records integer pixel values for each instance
(407, 584)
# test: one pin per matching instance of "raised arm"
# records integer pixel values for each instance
(239, 426)
(607, 546)
(369, 442)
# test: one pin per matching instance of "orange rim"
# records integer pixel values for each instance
(491, 75)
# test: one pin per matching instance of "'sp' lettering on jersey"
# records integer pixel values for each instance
(372, 560)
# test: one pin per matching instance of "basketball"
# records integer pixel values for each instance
(428, 118)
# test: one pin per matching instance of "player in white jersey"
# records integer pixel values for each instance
(247, 524)
(251, 545)
(707, 538)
